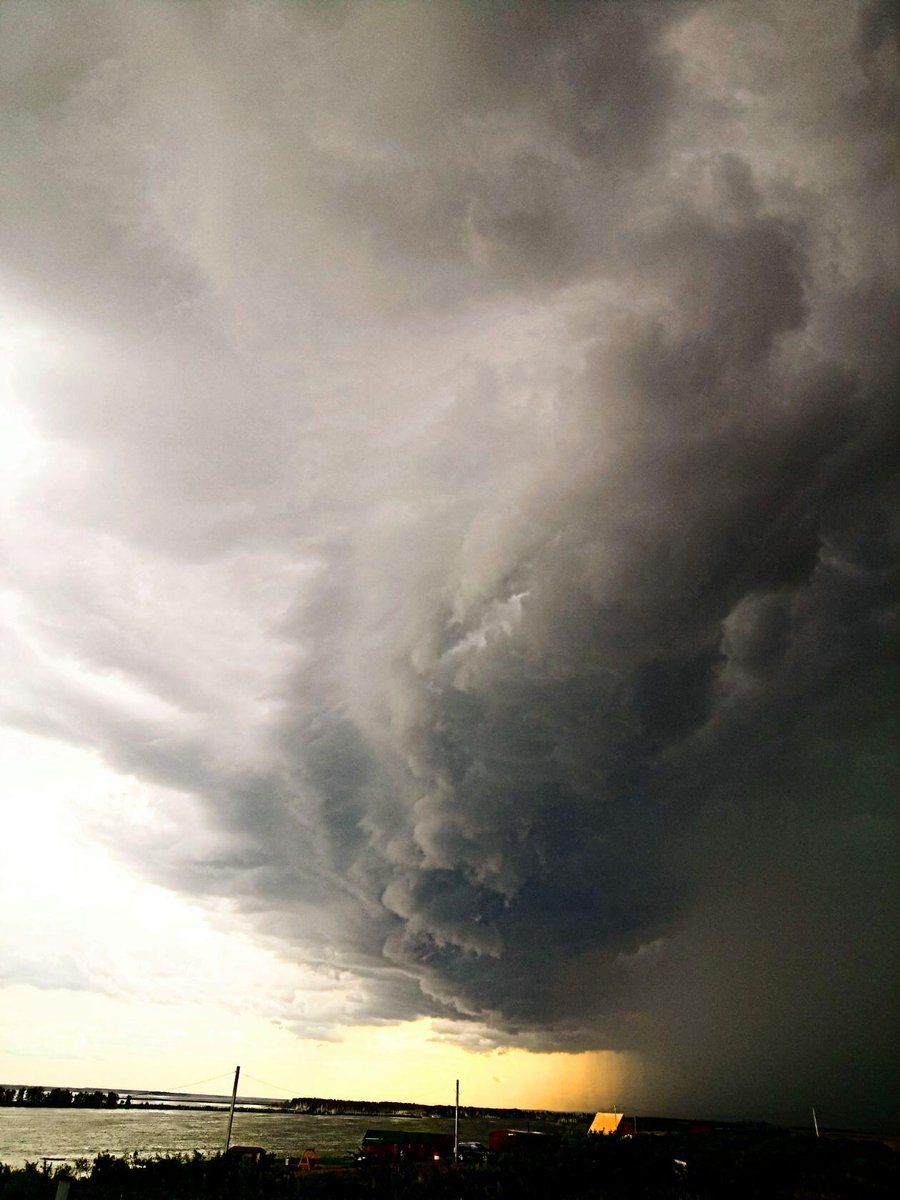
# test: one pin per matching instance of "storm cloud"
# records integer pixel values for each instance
(466, 490)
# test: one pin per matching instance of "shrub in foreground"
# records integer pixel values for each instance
(751, 1165)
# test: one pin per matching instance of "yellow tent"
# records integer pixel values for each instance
(605, 1123)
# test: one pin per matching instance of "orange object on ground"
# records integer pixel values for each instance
(309, 1160)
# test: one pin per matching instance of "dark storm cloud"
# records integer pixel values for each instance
(474, 440)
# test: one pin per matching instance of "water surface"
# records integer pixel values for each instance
(30, 1134)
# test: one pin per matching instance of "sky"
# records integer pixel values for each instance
(448, 556)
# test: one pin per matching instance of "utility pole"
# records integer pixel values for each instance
(237, 1075)
(456, 1127)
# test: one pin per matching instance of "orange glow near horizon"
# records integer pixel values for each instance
(81, 1039)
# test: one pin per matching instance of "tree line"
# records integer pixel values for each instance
(317, 1106)
(40, 1097)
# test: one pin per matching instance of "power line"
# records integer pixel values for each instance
(268, 1083)
(196, 1083)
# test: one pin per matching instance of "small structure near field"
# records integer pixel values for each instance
(245, 1154)
(405, 1145)
(614, 1123)
(518, 1139)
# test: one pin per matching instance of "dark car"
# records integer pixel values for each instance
(472, 1152)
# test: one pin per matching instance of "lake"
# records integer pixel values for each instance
(30, 1134)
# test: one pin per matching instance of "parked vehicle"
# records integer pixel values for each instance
(472, 1152)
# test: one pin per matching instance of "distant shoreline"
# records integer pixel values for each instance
(120, 1099)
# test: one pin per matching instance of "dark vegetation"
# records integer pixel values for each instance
(318, 1106)
(747, 1165)
(39, 1097)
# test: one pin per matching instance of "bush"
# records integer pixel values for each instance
(756, 1164)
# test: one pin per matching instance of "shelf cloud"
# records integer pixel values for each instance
(459, 478)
